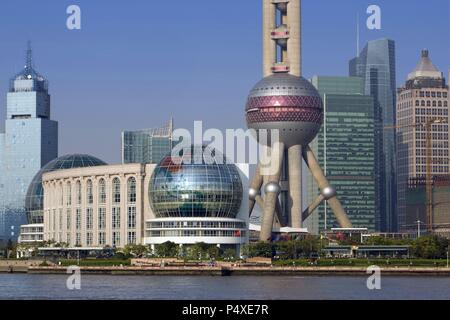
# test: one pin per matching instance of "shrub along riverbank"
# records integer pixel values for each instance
(363, 262)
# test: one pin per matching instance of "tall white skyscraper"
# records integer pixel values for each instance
(29, 142)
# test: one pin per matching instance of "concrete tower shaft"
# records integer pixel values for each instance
(282, 37)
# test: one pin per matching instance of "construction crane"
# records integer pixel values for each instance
(429, 162)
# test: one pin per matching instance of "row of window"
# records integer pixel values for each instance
(423, 94)
(196, 224)
(436, 153)
(431, 103)
(101, 238)
(432, 94)
(435, 169)
(115, 218)
(435, 128)
(31, 237)
(196, 233)
(436, 162)
(102, 192)
(436, 135)
(439, 144)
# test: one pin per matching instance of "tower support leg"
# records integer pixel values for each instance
(313, 206)
(255, 189)
(328, 192)
(277, 222)
(295, 185)
(271, 192)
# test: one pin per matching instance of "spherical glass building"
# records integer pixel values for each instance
(199, 183)
(34, 201)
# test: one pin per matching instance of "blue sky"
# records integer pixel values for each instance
(136, 63)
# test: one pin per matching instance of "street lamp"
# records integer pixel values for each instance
(418, 228)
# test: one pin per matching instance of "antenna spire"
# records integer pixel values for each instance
(29, 61)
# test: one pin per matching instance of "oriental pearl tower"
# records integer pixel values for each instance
(285, 102)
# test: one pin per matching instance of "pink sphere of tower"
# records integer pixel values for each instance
(288, 103)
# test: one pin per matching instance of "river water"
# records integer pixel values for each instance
(29, 286)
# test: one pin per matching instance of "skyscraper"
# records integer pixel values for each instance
(29, 142)
(376, 65)
(345, 148)
(421, 101)
(148, 145)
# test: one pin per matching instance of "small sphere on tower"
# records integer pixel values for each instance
(288, 103)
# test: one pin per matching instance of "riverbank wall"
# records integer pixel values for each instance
(243, 271)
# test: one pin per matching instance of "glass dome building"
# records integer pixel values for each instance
(202, 185)
(34, 201)
(198, 197)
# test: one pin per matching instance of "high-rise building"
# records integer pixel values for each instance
(416, 209)
(29, 142)
(421, 101)
(345, 148)
(148, 145)
(376, 65)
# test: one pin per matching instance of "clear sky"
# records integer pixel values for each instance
(135, 63)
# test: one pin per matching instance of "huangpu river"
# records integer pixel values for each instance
(30, 286)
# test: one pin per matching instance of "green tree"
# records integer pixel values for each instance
(229, 254)
(245, 250)
(430, 247)
(167, 249)
(213, 252)
(286, 249)
(183, 252)
(309, 245)
(135, 250)
(262, 249)
(199, 250)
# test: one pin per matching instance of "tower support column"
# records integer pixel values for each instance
(327, 191)
(271, 192)
(255, 189)
(295, 185)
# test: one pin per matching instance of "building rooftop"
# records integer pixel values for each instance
(34, 81)
(35, 194)
(425, 68)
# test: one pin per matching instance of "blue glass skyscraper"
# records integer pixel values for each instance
(376, 65)
(29, 142)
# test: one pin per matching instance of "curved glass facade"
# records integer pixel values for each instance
(34, 201)
(198, 189)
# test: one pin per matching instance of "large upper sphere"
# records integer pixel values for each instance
(198, 189)
(288, 103)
